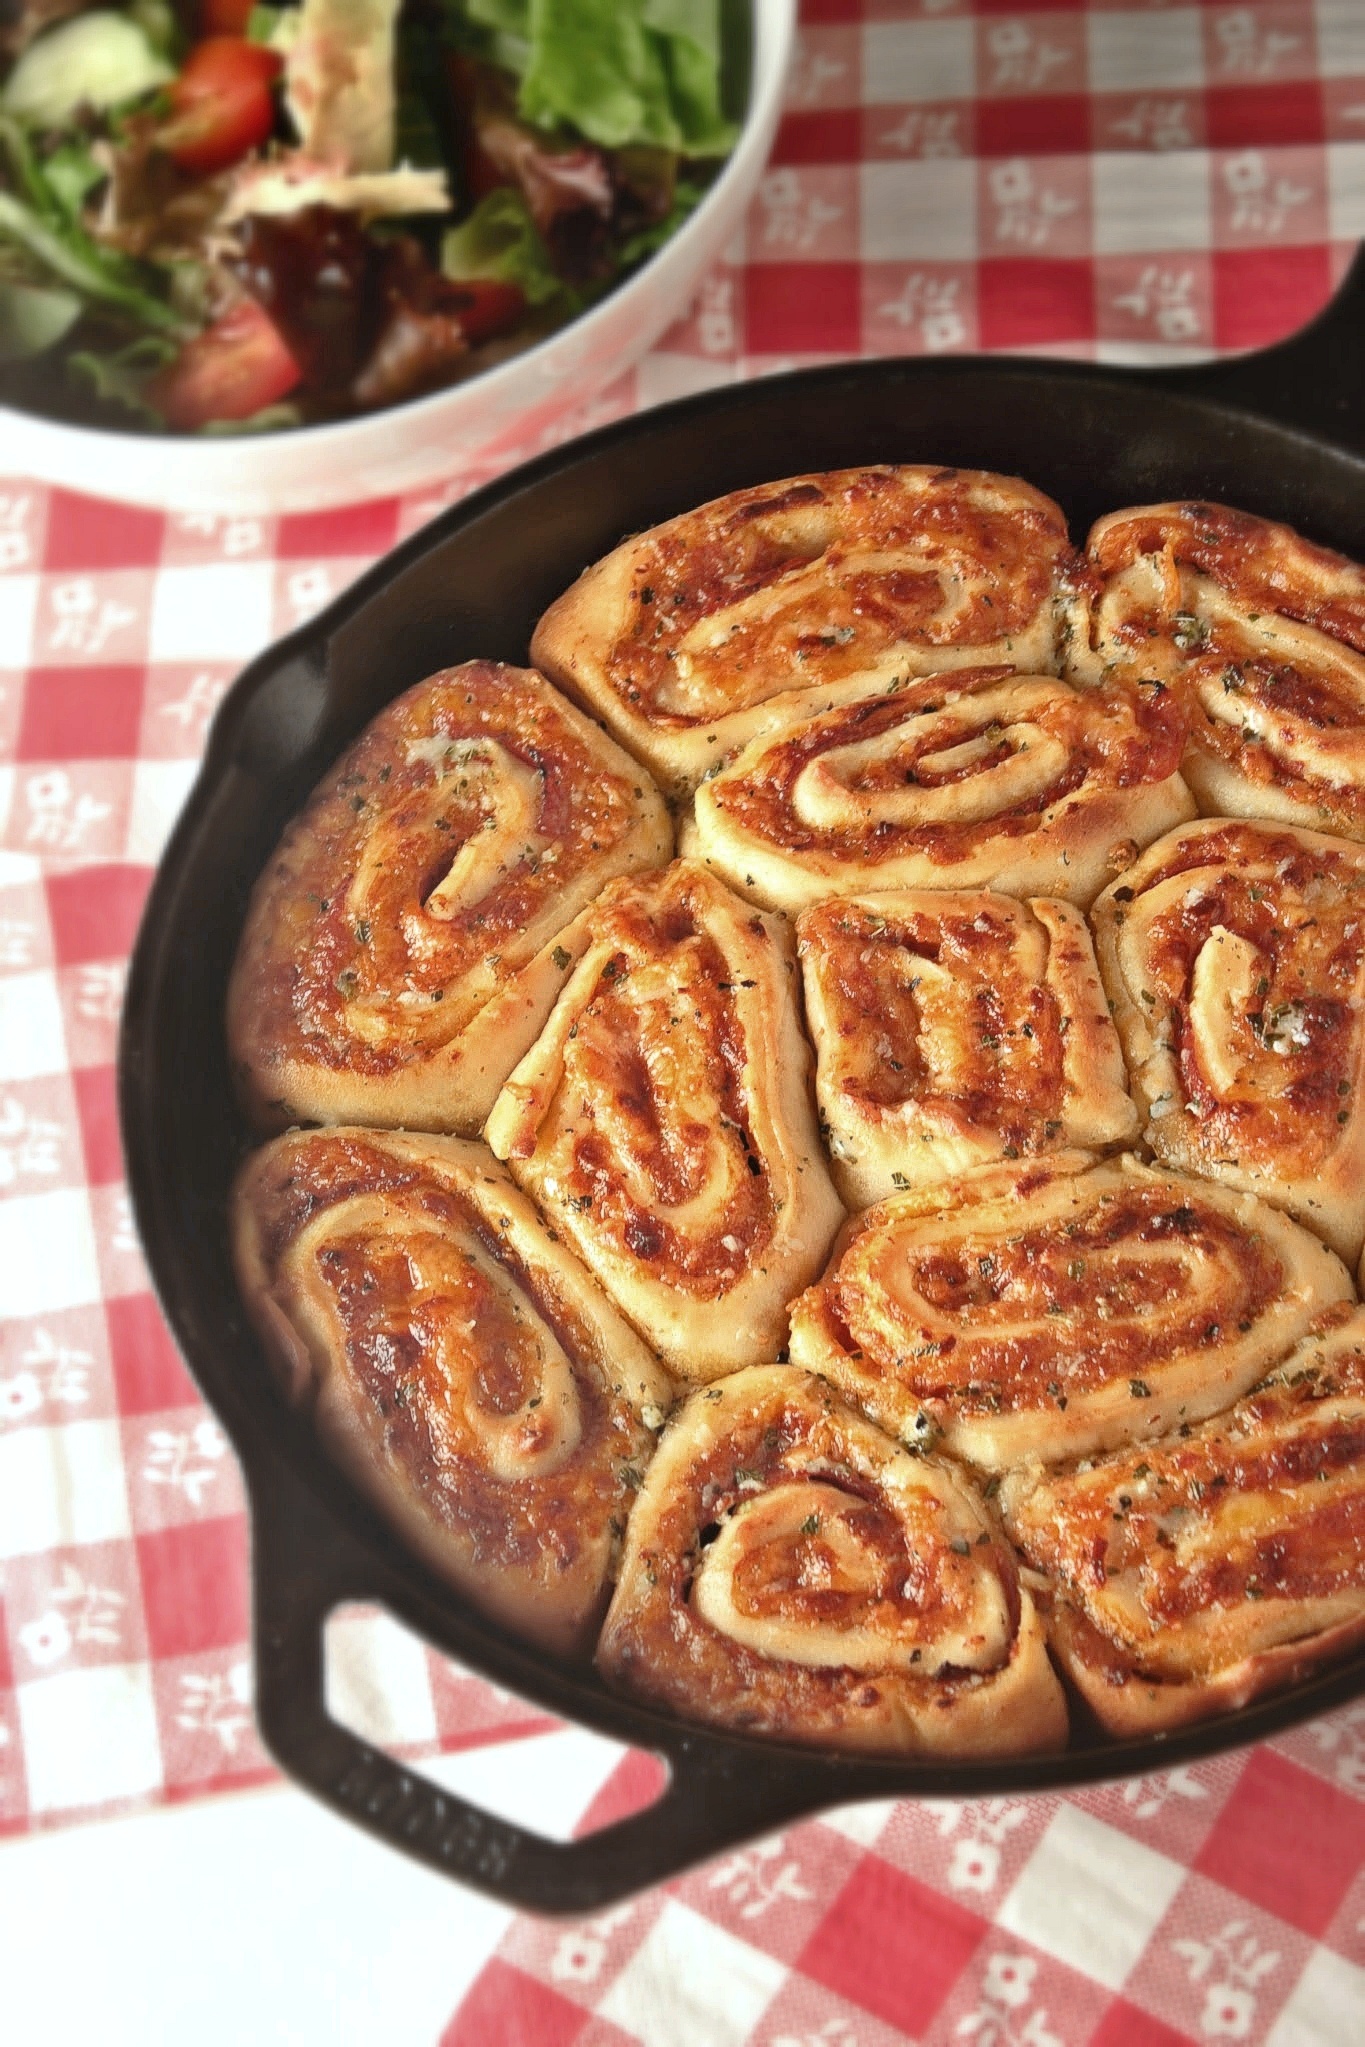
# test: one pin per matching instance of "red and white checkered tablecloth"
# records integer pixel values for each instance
(1122, 181)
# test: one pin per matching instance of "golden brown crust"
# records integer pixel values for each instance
(790, 1571)
(1190, 1576)
(953, 1030)
(457, 1361)
(1234, 956)
(664, 1120)
(853, 678)
(1262, 635)
(1054, 1309)
(682, 638)
(402, 946)
(984, 778)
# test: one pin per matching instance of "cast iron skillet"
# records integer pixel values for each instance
(1281, 433)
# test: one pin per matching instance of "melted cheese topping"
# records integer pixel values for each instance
(1236, 1536)
(953, 1028)
(984, 778)
(1263, 636)
(1235, 956)
(465, 1367)
(1049, 1311)
(790, 1569)
(663, 1120)
(700, 633)
(439, 859)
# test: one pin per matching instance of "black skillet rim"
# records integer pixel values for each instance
(315, 1541)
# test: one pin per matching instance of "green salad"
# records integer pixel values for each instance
(227, 216)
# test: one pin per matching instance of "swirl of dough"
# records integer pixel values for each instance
(1234, 956)
(682, 639)
(791, 1571)
(982, 779)
(459, 1364)
(402, 947)
(954, 1029)
(1051, 1310)
(664, 1121)
(1263, 636)
(1196, 1573)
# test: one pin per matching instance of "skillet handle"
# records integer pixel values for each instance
(1314, 381)
(305, 1563)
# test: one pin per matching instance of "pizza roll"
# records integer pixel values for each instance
(458, 1363)
(791, 1571)
(682, 638)
(1189, 1575)
(402, 947)
(1234, 956)
(1262, 634)
(664, 1120)
(1058, 1308)
(981, 779)
(954, 1029)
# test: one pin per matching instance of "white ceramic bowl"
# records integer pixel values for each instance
(414, 444)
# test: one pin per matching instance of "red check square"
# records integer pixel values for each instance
(1125, 2025)
(506, 2004)
(831, 135)
(1025, 302)
(1042, 126)
(95, 911)
(1265, 116)
(81, 534)
(97, 1101)
(148, 1370)
(893, 1946)
(194, 1586)
(367, 529)
(81, 714)
(1262, 295)
(1246, 1849)
(813, 306)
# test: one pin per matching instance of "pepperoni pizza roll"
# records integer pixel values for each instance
(682, 638)
(981, 779)
(954, 1029)
(1192, 1574)
(402, 946)
(457, 1362)
(1262, 634)
(1059, 1308)
(791, 1571)
(664, 1120)
(1234, 956)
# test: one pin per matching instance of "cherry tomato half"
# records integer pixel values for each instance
(234, 368)
(221, 104)
(487, 307)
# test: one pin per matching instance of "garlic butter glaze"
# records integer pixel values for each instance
(402, 945)
(663, 1120)
(1261, 634)
(953, 1029)
(1052, 1309)
(689, 639)
(791, 1571)
(1234, 955)
(980, 778)
(1186, 1576)
(457, 1361)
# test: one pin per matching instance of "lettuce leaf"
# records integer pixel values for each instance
(500, 240)
(33, 317)
(618, 71)
(122, 376)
